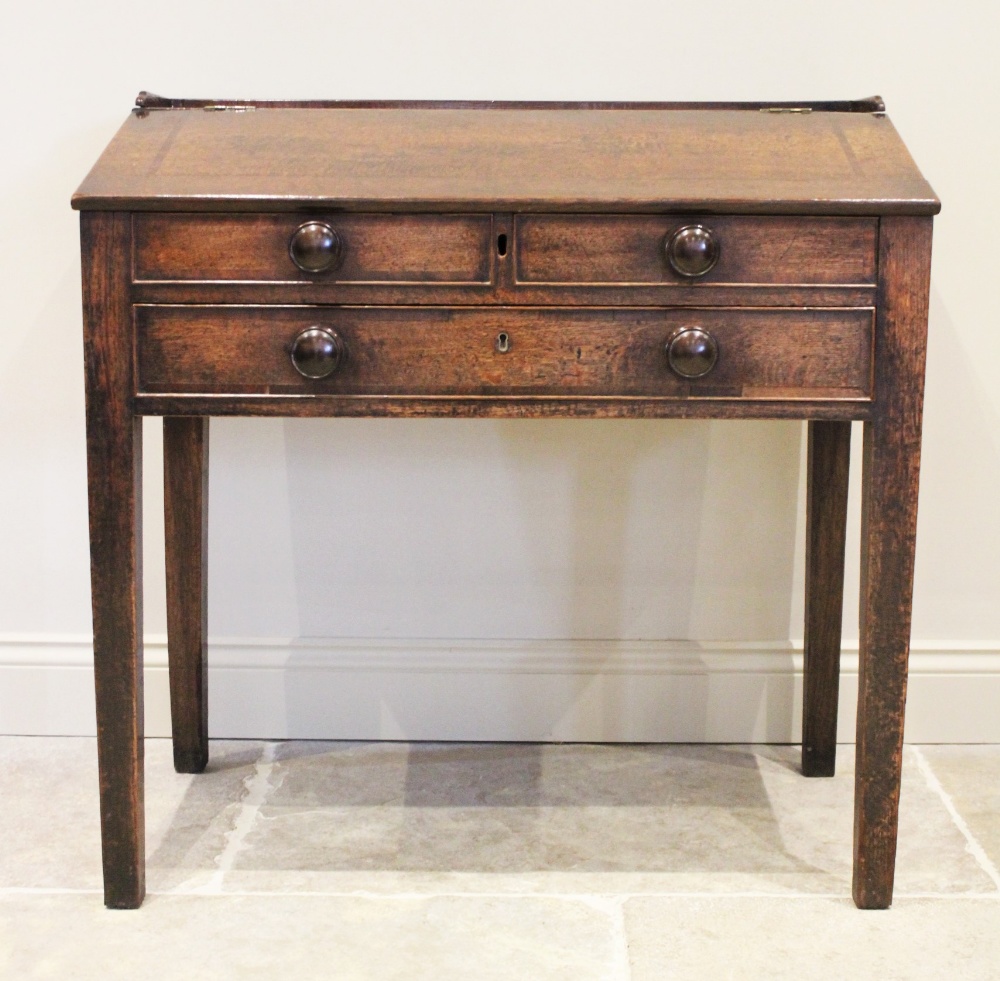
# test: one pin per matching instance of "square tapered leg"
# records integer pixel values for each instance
(829, 460)
(890, 474)
(185, 498)
(114, 475)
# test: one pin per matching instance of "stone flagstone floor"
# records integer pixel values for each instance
(419, 861)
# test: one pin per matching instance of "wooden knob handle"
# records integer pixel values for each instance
(317, 352)
(692, 352)
(314, 247)
(692, 250)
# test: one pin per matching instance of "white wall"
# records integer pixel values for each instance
(478, 531)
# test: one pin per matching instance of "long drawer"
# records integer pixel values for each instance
(504, 351)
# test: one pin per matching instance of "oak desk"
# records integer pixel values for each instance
(505, 260)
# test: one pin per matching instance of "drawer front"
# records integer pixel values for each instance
(393, 249)
(633, 249)
(504, 352)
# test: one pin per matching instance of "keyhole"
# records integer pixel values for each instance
(503, 342)
(501, 245)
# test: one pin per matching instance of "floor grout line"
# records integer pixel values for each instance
(589, 898)
(612, 905)
(971, 844)
(603, 901)
(258, 791)
(47, 891)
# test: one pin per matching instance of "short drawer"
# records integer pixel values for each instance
(504, 352)
(748, 250)
(350, 248)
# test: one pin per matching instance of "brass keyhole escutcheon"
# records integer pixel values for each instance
(503, 344)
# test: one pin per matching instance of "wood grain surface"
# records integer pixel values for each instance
(828, 468)
(772, 354)
(500, 407)
(185, 508)
(621, 250)
(425, 249)
(530, 159)
(890, 479)
(114, 475)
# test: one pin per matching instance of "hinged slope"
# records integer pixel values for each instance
(481, 157)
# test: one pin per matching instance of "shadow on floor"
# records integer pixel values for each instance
(473, 807)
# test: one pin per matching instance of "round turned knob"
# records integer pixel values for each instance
(314, 247)
(692, 250)
(692, 352)
(317, 352)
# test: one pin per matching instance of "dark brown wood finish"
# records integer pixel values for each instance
(415, 249)
(185, 499)
(829, 460)
(773, 354)
(509, 261)
(767, 251)
(151, 101)
(500, 406)
(506, 293)
(890, 477)
(114, 472)
(722, 161)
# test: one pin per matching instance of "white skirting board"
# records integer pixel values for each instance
(588, 691)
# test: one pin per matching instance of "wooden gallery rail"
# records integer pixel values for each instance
(654, 260)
